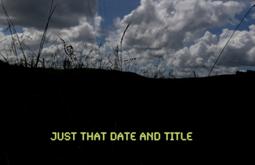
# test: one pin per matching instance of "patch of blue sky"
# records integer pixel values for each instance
(111, 9)
(5, 30)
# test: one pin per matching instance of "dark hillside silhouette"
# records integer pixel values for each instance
(37, 101)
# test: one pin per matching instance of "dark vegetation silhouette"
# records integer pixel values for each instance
(51, 12)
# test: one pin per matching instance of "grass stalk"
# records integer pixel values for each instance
(43, 39)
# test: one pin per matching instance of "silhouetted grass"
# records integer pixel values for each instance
(69, 60)
(51, 12)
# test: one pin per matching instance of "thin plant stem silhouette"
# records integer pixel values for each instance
(121, 45)
(51, 12)
(13, 33)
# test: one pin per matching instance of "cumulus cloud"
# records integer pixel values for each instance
(76, 21)
(202, 54)
(170, 22)
(174, 35)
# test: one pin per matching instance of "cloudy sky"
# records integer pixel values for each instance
(165, 37)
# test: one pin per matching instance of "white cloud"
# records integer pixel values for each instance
(174, 35)
(166, 37)
(80, 37)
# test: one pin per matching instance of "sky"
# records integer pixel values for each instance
(166, 38)
(111, 9)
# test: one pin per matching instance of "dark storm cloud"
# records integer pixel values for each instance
(33, 13)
